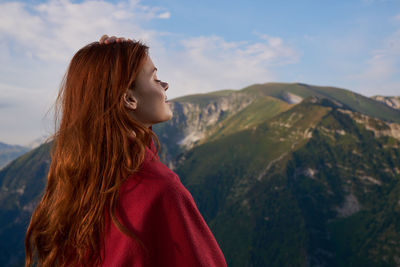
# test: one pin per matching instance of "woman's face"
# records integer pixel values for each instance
(149, 96)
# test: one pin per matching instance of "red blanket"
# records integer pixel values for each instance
(162, 213)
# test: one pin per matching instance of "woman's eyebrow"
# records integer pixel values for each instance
(155, 69)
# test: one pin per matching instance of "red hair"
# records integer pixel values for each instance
(97, 145)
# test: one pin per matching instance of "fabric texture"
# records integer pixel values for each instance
(161, 212)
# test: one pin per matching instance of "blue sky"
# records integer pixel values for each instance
(198, 46)
(335, 40)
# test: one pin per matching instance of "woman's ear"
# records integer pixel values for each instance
(129, 100)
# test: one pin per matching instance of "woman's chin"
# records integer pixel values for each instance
(166, 118)
(169, 116)
(170, 113)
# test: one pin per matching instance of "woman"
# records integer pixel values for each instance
(109, 201)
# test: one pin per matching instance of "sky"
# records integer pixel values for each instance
(197, 46)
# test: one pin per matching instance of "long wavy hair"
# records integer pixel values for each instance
(97, 146)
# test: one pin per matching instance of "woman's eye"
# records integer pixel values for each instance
(158, 81)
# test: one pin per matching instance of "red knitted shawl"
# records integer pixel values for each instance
(162, 213)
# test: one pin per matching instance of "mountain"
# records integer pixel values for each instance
(391, 101)
(284, 175)
(38, 141)
(10, 152)
(310, 187)
(196, 117)
(21, 185)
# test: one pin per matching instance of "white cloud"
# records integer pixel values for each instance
(209, 63)
(36, 43)
(38, 40)
(382, 71)
(165, 15)
(54, 30)
(22, 119)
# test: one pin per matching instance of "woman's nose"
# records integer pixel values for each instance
(165, 85)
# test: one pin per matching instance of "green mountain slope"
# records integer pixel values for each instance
(347, 98)
(197, 117)
(279, 183)
(283, 194)
(10, 152)
(258, 111)
(21, 185)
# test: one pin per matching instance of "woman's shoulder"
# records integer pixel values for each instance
(151, 180)
(150, 193)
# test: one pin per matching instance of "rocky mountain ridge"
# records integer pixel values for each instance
(199, 118)
(391, 101)
(279, 182)
(309, 173)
